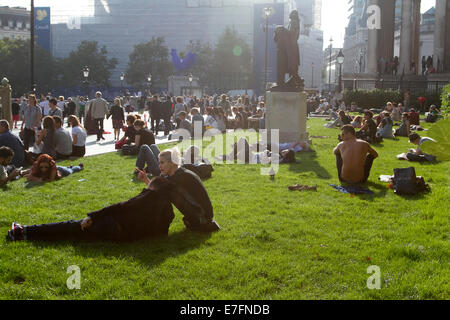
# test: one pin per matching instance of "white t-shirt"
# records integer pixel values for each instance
(81, 136)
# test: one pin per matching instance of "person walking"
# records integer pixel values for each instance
(166, 114)
(99, 109)
(155, 114)
(118, 118)
(32, 116)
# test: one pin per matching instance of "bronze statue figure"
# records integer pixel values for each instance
(288, 56)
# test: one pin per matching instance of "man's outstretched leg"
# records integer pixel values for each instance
(68, 230)
(104, 229)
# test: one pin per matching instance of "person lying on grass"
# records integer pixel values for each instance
(44, 169)
(149, 214)
(242, 151)
(6, 155)
(354, 157)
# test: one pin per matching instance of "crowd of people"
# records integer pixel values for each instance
(361, 128)
(42, 128)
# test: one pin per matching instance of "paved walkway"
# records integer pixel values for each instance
(94, 148)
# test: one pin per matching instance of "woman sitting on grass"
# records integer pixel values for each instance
(47, 137)
(404, 130)
(79, 135)
(357, 122)
(385, 127)
(45, 169)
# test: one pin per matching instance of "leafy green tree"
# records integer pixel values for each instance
(15, 65)
(232, 61)
(87, 54)
(203, 66)
(150, 57)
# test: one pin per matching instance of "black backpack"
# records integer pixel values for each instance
(130, 150)
(405, 181)
(203, 170)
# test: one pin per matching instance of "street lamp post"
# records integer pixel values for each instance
(33, 85)
(329, 70)
(340, 60)
(149, 81)
(122, 77)
(190, 78)
(267, 13)
(86, 82)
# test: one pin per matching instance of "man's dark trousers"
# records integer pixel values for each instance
(167, 125)
(99, 124)
(28, 138)
(153, 120)
(104, 229)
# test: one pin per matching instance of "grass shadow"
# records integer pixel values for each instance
(150, 252)
(33, 184)
(380, 191)
(308, 163)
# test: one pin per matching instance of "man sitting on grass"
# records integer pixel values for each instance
(6, 155)
(189, 194)
(368, 130)
(417, 154)
(354, 157)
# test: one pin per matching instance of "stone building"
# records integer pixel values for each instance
(14, 23)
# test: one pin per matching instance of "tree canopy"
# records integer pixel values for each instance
(149, 58)
(51, 72)
(87, 54)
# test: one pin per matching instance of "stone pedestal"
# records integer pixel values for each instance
(5, 101)
(180, 85)
(286, 111)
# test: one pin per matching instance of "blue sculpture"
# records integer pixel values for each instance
(183, 64)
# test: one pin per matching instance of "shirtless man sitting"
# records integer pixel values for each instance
(354, 157)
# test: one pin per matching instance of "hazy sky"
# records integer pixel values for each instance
(334, 14)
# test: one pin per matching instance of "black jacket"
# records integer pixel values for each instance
(148, 214)
(166, 109)
(155, 109)
(190, 196)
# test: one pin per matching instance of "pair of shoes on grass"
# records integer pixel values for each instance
(16, 233)
(299, 187)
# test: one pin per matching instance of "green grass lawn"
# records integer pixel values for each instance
(274, 243)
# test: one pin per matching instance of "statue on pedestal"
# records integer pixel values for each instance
(5, 98)
(288, 56)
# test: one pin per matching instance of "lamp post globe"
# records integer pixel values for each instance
(86, 82)
(149, 82)
(340, 60)
(190, 78)
(267, 11)
(122, 77)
